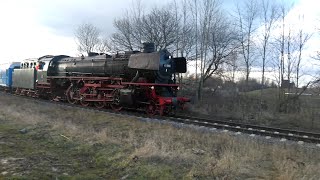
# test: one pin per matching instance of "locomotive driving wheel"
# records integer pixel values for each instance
(70, 93)
(115, 105)
(83, 101)
(151, 109)
(171, 111)
(99, 104)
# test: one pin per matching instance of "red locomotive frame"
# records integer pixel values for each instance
(105, 92)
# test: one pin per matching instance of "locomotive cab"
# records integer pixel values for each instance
(164, 66)
(163, 94)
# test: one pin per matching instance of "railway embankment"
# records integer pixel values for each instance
(46, 141)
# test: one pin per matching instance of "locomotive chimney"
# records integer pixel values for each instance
(148, 47)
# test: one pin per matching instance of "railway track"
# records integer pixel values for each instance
(226, 126)
(252, 130)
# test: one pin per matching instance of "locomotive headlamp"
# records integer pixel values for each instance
(178, 88)
(152, 87)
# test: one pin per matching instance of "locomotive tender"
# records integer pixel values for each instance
(138, 80)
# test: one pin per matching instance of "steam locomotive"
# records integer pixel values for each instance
(137, 80)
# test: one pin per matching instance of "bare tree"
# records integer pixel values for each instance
(216, 37)
(282, 43)
(194, 9)
(286, 45)
(158, 26)
(128, 35)
(269, 16)
(247, 17)
(124, 35)
(279, 45)
(206, 11)
(231, 66)
(104, 46)
(222, 44)
(291, 47)
(184, 31)
(161, 23)
(87, 36)
(187, 32)
(302, 40)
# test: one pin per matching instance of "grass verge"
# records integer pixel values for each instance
(43, 141)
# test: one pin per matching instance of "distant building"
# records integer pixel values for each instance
(287, 84)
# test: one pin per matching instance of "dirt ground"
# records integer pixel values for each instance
(44, 141)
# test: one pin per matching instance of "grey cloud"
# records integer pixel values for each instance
(64, 16)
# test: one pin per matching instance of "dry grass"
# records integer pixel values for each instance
(302, 114)
(187, 153)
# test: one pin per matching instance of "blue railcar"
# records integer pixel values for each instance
(6, 71)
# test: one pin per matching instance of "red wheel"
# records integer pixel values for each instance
(151, 109)
(99, 104)
(83, 101)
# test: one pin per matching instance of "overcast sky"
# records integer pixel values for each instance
(33, 28)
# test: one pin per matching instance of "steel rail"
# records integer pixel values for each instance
(284, 134)
(274, 130)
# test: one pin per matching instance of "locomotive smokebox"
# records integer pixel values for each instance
(148, 47)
